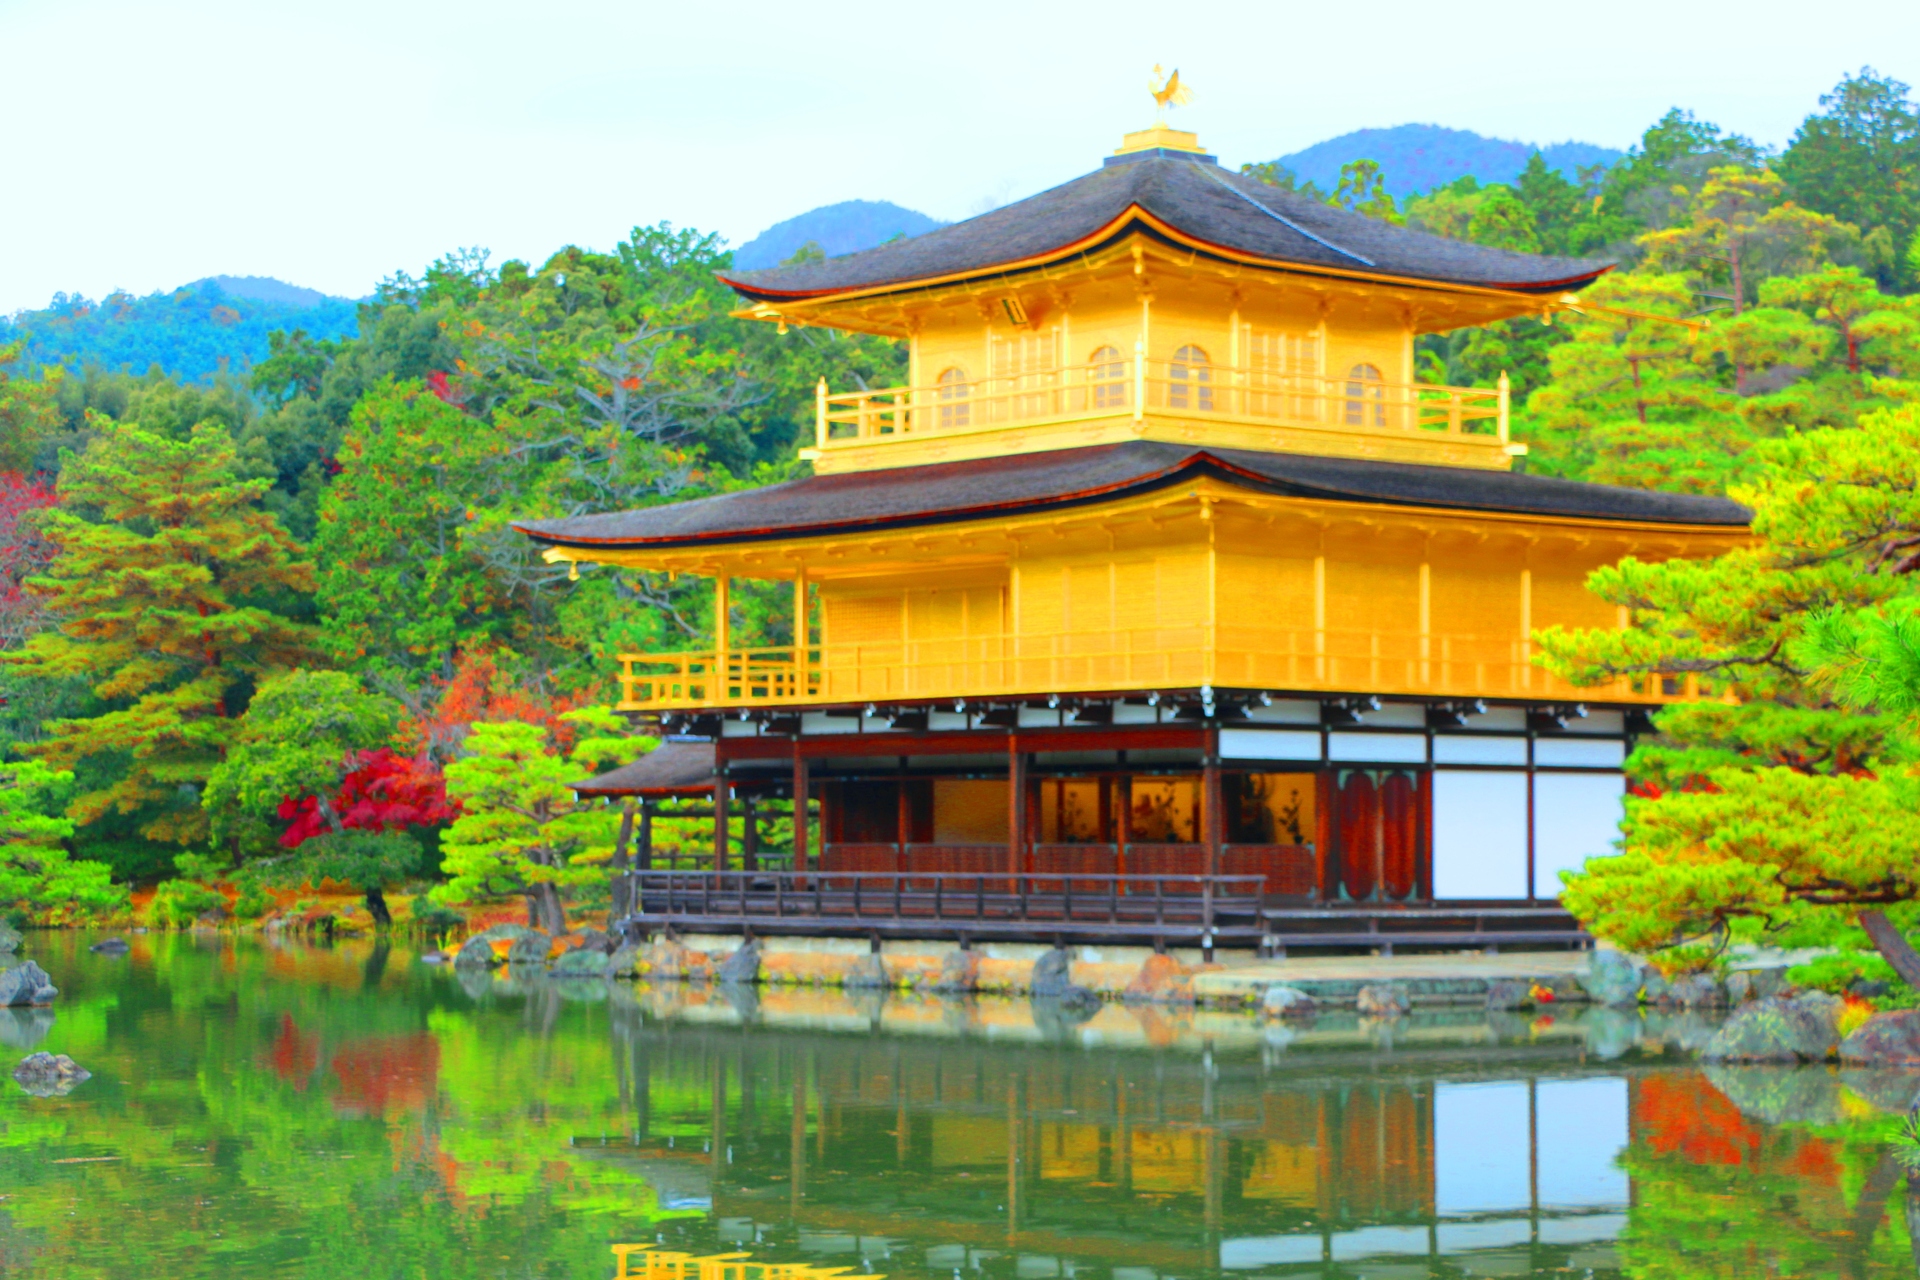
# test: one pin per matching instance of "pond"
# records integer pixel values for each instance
(296, 1111)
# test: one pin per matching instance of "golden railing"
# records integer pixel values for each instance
(1136, 387)
(648, 1262)
(1133, 659)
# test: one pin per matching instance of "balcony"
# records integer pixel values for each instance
(1157, 658)
(1139, 398)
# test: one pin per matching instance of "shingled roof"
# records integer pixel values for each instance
(671, 769)
(1237, 216)
(865, 501)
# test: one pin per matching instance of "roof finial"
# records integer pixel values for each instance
(1167, 93)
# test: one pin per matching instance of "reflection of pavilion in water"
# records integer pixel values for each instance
(1038, 1162)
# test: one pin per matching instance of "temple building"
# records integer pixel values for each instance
(1164, 564)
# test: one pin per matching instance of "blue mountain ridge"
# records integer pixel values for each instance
(1419, 157)
(847, 227)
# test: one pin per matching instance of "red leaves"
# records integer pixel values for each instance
(1684, 1113)
(387, 792)
(23, 553)
(481, 691)
(438, 383)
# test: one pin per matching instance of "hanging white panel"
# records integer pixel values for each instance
(1582, 1128)
(1480, 1148)
(1479, 834)
(1576, 816)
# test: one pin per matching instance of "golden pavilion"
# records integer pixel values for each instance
(1163, 579)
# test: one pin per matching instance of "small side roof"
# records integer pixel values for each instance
(1186, 198)
(865, 501)
(672, 769)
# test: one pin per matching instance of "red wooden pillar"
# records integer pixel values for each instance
(1325, 840)
(799, 808)
(720, 815)
(1016, 806)
(1210, 804)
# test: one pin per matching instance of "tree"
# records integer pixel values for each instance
(29, 410)
(521, 830)
(1859, 161)
(1503, 221)
(37, 878)
(175, 594)
(23, 554)
(1362, 189)
(1791, 808)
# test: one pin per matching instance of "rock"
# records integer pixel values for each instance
(1894, 1091)
(1610, 1032)
(1696, 991)
(531, 947)
(1509, 993)
(435, 957)
(9, 938)
(581, 962)
(1161, 980)
(1382, 1000)
(1653, 985)
(476, 954)
(47, 1075)
(665, 959)
(869, 973)
(1740, 987)
(1868, 988)
(624, 962)
(506, 932)
(1287, 1002)
(111, 947)
(1612, 979)
(1803, 1029)
(1885, 1039)
(592, 940)
(26, 984)
(1780, 1094)
(743, 965)
(1051, 980)
(959, 972)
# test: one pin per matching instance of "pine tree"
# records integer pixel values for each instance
(174, 591)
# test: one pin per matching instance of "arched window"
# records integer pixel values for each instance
(1107, 375)
(1366, 397)
(1189, 380)
(954, 409)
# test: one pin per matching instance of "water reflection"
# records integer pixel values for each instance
(351, 1112)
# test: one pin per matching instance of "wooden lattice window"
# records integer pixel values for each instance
(954, 390)
(1366, 397)
(1190, 380)
(1107, 375)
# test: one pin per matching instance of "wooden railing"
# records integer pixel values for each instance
(1003, 903)
(1136, 387)
(1143, 658)
(1284, 869)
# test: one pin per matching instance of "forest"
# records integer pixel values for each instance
(259, 634)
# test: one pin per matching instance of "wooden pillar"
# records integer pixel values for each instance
(799, 808)
(1123, 826)
(720, 816)
(749, 835)
(618, 865)
(802, 636)
(1325, 796)
(643, 847)
(1016, 806)
(902, 822)
(1210, 803)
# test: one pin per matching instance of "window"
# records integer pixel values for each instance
(1107, 375)
(953, 398)
(1366, 397)
(1189, 380)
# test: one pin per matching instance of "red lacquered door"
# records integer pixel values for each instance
(1359, 834)
(1399, 832)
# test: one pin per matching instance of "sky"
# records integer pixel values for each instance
(333, 145)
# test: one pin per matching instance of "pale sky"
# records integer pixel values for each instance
(332, 144)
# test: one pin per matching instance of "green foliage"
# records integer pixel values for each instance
(1858, 161)
(1503, 221)
(295, 740)
(179, 904)
(1361, 189)
(38, 880)
(362, 859)
(176, 590)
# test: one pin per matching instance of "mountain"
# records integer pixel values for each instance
(1419, 157)
(195, 332)
(847, 227)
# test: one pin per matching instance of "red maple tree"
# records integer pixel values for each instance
(385, 791)
(23, 553)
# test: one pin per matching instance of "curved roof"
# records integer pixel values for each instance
(673, 768)
(865, 501)
(1187, 200)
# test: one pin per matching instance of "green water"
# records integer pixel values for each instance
(350, 1112)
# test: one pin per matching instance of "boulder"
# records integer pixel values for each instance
(111, 947)
(592, 940)
(1695, 991)
(1052, 981)
(26, 984)
(959, 972)
(504, 932)
(1868, 988)
(624, 962)
(1653, 985)
(1161, 980)
(1382, 1000)
(1287, 1002)
(1612, 979)
(665, 959)
(743, 965)
(47, 1075)
(1509, 993)
(581, 962)
(476, 954)
(9, 938)
(1780, 1094)
(869, 973)
(1884, 1040)
(1740, 987)
(1803, 1029)
(531, 947)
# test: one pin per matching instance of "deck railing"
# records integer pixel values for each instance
(1117, 660)
(1137, 387)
